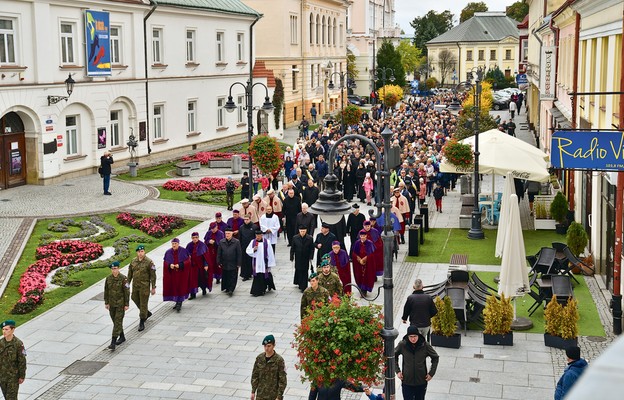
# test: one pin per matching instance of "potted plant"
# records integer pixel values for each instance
(497, 318)
(459, 154)
(559, 212)
(561, 324)
(443, 325)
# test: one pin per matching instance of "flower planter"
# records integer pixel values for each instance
(558, 342)
(451, 342)
(541, 224)
(561, 229)
(498, 340)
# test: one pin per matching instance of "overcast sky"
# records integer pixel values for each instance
(407, 10)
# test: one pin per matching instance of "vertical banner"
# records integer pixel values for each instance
(97, 39)
(548, 70)
(142, 131)
(101, 134)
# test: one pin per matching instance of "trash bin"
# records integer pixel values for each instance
(464, 182)
(237, 164)
(412, 242)
(418, 220)
(424, 211)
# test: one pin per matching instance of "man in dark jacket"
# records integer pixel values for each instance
(323, 242)
(105, 170)
(414, 376)
(420, 308)
(229, 258)
(302, 252)
(306, 219)
(291, 207)
(246, 234)
(355, 223)
(576, 366)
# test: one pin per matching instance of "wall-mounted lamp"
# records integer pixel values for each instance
(69, 83)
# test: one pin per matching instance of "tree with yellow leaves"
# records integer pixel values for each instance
(391, 94)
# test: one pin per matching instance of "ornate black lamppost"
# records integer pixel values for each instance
(476, 231)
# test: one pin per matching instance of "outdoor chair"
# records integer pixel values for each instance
(458, 299)
(562, 288)
(460, 277)
(531, 260)
(482, 285)
(538, 297)
(545, 260)
(576, 263)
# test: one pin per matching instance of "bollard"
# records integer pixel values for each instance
(412, 242)
(424, 211)
(418, 220)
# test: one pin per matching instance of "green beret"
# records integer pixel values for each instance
(140, 247)
(8, 322)
(312, 276)
(115, 264)
(268, 339)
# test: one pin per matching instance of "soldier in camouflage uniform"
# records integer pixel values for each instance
(143, 271)
(330, 281)
(268, 379)
(12, 361)
(116, 301)
(313, 294)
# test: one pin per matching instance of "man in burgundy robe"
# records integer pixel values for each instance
(361, 255)
(200, 273)
(220, 223)
(235, 222)
(212, 239)
(340, 260)
(176, 266)
(376, 261)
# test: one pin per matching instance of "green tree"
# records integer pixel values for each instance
(389, 57)
(470, 9)
(518, 10)
(351, 67)
(411, 57)
(429, 26)
(447, 63)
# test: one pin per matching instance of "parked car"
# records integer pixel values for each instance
(500, 102)
(511, 91)
(354, 99)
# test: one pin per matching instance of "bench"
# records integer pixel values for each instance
(184, 168)
(459, 261)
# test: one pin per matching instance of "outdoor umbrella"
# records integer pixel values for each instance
(503, 221)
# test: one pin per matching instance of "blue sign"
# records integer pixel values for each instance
(97, 35)
(414, 84)
(603, 151)
(521, 79)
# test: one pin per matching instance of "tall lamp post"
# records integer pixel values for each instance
(476, 231)
(380, 73)
(331, 206)
(344, 83)
(267, 107)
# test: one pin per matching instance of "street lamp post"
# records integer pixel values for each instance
(383, 71)
(69, 85)
(332, 206)
(267, 107)
(344, 83)
(476, 231)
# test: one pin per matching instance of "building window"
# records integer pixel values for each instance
(342, 39)
(323, 30)
(493, 55)
(508, 54)
(7, 42)
(294, 77)
(240, 47)
(311, 29)
(318, 75)
(481, 55)
(312, 76)
(294, 29)
(157, 46)
(115, 128)
(318, 26)
(191, 116)
(468, 55)
(67, 43)
(159, 114)
(220, 112)
(72, 130)
(329, 31)
(190, 46)
(240, 100)
(334, 32)
(115, 45)
(219, 46)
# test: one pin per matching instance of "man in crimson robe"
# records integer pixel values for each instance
(340, 260)
(176, 266)
(235, 222)
(361, 255)
(212, 239)
(376, 261)
(220, 223)
(199, 274)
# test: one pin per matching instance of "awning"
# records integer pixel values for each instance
(334, 96)
(560, 122)
(317, 101)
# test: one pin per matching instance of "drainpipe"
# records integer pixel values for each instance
(577, 29)
(539, 101)
(154, 5)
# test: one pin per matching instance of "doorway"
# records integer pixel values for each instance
(12, 151)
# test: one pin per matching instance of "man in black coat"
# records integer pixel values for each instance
(246, 233)
(355, 223)
(291, 207)
(105, 170)
(420, 308)
(323, 242)
(306, 219)
(302, 252)
(310, 193)
(229, 258)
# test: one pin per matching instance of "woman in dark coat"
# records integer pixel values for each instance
(360, 174)
(348, 176)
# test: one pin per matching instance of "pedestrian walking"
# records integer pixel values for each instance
(340, 259)
(268, 377)
(306, 219)
(512, 109)
(116, 301)
(355, 223)
(263, 260)
(419, 308)
(245, 186)
(323, 242)
(176, 266)
(313, 113)
(330, 280)
(291, 208)
(270, 225)
(212, 239)
(368, 185)
(230, 187)
(302, 253)
(13, 357)
(414, 350)
(438, 193)
(574, 370)
(247, 233)
(105, 171)
(200, 273)
(314, 296)
(361, 252)
(142, 276)
(229, 258)
(511, 128)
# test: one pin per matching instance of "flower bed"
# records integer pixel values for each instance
(205, 156)
(157, 226)
(88, 230)
(205, 184)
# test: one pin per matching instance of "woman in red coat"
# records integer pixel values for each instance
(176, 268)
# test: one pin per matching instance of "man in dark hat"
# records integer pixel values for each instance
(291, 208)
(229, 258)
(176, 266)
(268, 377)
(302, 252)
(323, 242)
(220, 223)
(200, 274)
(13, 356)
(340, 259)
(247, 232)
(355, 223)
(142, 275)
(314, 296)
(363, 269)
(116, 301)
(574, 370)
(212, 239)
(414, 375)
(261, 252)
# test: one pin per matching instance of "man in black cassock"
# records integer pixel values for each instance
(302, 252)
(323, 242)
(306, 219)
(290, 208)
(246, 233)
(355, 223)
(339, 230)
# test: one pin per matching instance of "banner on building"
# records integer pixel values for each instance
(603, 151)
(548, 69)
(97, 39)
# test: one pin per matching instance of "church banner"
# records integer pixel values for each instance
(97, 39)
(603, 151)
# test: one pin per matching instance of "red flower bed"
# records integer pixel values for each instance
(157, 226)
(205, 156)
(50, 257)
(205, 184)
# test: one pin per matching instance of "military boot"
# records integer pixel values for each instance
(192, 297)
(122, 338)
(112, 345)
(141, 325)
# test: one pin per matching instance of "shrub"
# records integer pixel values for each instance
(497, 315)
(445, 321)
(562, 321)
(391, 94)
(576, 238)
(266, 153)
(352, 114)
(559, 208)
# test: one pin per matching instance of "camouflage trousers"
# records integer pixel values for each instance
(9, 389)
(140, 297)
(117, 315)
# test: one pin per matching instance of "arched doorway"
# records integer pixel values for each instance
(12, 151)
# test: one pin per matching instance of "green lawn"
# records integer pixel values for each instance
(149, 173)
(88, 277)
(215, 199)
(441, 243)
